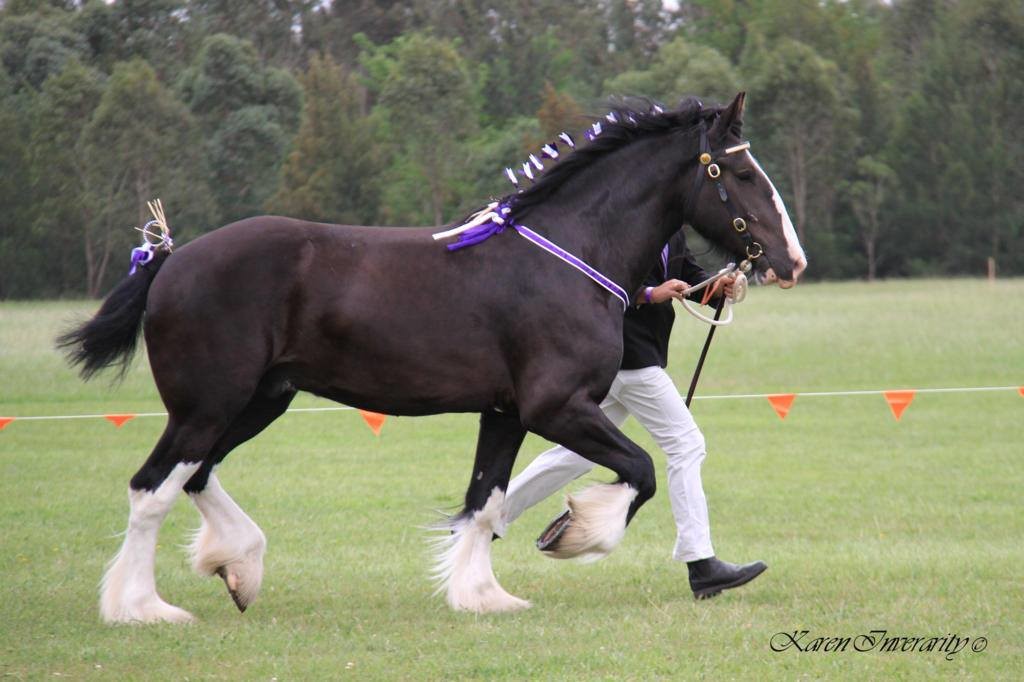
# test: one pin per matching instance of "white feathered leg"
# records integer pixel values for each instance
(128, 591)
(595, 525)
(228, 543)
(463, 566)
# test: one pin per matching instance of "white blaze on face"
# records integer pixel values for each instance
(793, 248)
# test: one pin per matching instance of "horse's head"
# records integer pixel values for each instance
(734, 204)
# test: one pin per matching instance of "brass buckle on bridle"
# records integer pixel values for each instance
(757, 254)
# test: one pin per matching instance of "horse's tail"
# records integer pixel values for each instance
(112, 335)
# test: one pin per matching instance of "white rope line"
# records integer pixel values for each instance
(89, 416)
(828, 394)
(734, 396)
(139, 415)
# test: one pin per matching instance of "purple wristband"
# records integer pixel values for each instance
(647, 294)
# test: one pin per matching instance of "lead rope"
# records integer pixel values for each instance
(740, 292)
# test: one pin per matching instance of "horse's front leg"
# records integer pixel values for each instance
(596, 519)
(464, 557)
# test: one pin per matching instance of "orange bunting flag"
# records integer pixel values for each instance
(782, 402)
(4, 421)
(374, 420)
(1019, 390)
(118, 420)
(899, 401)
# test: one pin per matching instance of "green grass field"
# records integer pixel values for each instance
(914, 527)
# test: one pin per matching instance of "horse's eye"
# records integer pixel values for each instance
(745, 174)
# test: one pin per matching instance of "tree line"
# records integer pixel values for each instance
(893, 129)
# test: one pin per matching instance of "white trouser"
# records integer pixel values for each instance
(649, 395)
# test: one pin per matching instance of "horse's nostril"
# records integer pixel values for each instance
(799, 267)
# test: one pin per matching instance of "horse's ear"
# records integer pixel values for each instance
(731, 118)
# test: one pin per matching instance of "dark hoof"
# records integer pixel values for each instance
(548, 540)
(721, 575)
(232, 591)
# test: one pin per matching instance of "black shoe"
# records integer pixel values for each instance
(708, 577)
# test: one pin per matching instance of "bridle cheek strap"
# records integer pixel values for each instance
(709, 167)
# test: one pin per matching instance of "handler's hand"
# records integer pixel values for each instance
(668, 290)
(728, 285)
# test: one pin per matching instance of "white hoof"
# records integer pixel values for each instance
(484, 597)
(128, 591)
(144, 609)
(238, 561)
(228, 543)
(463, 566)
(594, 525)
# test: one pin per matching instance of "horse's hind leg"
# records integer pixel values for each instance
(128, 593)
(228, 542)
(464, 562)
(596, 520)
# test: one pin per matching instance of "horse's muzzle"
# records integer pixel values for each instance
(770, 277)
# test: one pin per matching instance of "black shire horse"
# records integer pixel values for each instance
(240, 319)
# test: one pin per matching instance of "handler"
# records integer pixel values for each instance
(644, 389)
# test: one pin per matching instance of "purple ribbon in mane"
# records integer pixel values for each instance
(474, 235)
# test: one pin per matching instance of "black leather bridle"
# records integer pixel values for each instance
(710, 168)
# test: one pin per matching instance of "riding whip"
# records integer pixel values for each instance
(704, 352)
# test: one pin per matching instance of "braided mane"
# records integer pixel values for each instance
(631, 124)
